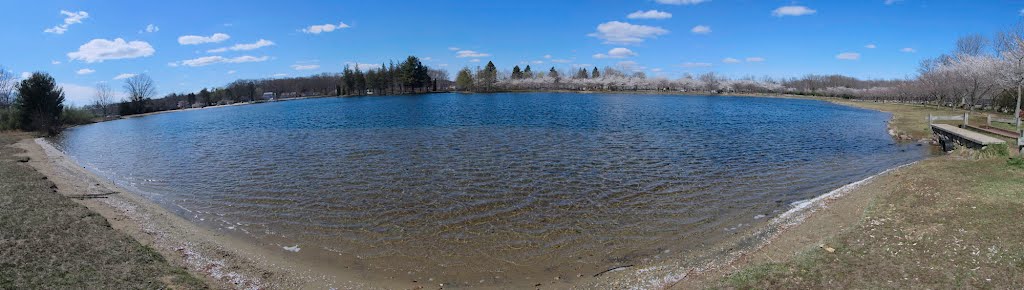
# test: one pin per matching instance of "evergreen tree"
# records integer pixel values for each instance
(527, 73)
(581, 74)
(40, 102)
(516, 73)
(553, 73)
(595, 74)
(204, 95)
(464, 80)
(489, 76)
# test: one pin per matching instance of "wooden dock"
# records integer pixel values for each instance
(950, 134)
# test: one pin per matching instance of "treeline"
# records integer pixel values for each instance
(408, 76)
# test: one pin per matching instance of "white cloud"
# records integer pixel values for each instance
(475, 60)
(871, 46)
(98, 50)
(626, 33)
(317, 29)
(150, 29)
(54, 62)
(470, 53)
(682, 2)
(208, 60)
(657, 70)
(537, 62)
(547, 56)
(649, 14)
(848, 56)
(85, 71)
(72, 18)
(231, 72)
(695, 64)
(362, 66)
(908, 50)
(558, 60)
(891, 2)
(452, 48)
(730, 60)
(123, 76)
(196, 39)
(701, 29)
(1022, 12)
(279, 75)
(792, 11)
(305, 66)
(25, 75)
(244, 46)
(618, 52)
(755, 59)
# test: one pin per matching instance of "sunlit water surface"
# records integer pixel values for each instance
(484, 186)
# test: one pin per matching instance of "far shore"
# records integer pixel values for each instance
(227, 262)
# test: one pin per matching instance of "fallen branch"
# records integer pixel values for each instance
(97, 195)
(613, 269)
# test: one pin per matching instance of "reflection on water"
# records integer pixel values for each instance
(464, 186)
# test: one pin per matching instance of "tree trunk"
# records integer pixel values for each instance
(1016, 110)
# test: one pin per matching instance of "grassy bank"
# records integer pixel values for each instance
(947, 222)
(47, 241)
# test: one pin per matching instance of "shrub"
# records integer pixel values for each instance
(9, 119)
(40, 103)
(77, 116)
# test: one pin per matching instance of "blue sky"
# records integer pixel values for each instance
(195, 44)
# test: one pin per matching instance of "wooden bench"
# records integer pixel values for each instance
(950, 134)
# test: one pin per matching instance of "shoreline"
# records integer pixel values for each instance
(242, 264)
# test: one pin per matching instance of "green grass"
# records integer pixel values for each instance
(48, 241)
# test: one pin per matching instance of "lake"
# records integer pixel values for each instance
(468, 187)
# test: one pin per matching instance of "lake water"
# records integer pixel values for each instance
(468, 187)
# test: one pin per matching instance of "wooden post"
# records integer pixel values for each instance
(966, 116)
(929, 119)
(989, 120)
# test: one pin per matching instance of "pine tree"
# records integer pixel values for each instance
(40, 102)
(581, 74)
(516, 73)
(528, 73)
(553, 73)
(595, 74)
(489, 76)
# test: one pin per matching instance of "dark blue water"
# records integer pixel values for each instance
(475, 184)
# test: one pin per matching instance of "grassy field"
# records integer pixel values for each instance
(947, 222)
(47, 241)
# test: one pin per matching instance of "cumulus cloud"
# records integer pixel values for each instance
(908, 50)
(682, 2)
(85, 71)
(54, 62)
(208, 60)
(755, 59)
(98, 50)
(626, 33)
(123, 76)
(196, 39)
(792, 11)
(848, 56)
(244, 46)
(618, 52)
(317, 29)
(871, 46)
(730, 60)
(231, 72)
(547, 56)
(649, 14)
(72, 18)
(470, 53)
(150, 29)
(695, 64)
(701, 29)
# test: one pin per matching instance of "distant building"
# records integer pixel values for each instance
(269, 96)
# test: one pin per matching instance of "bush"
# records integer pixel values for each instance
(77, 116)
(40, 103)
(9, 119)
(1016, 162)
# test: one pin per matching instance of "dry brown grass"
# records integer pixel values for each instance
(48, 241)
(947, 222)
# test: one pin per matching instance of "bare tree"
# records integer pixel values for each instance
(139, 88)
(104, 97)
(973, 45)
(7, 83)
